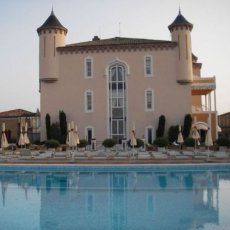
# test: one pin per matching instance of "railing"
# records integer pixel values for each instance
(203, 83)
(210, 80)
(203, 108)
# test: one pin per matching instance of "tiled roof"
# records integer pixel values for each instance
(51, 23)
(180, 21)
(16, 113)
(117, 42)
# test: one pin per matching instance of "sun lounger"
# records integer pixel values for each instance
(220, 155)
(173, 153)
(79, 155)
(122, 155)
(181, 157)
(144, 155)
(61, 155)
(159, 155)
(25, 152)
(188, 153)
(200, 156)
(100, 155)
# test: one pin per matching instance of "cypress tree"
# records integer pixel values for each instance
(63, 123)
(63, 126)
(161, 127)
(187, 125)
(48, 127)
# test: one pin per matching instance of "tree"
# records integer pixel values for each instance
(63, 122)
(63, 126)
(161, 127)
(187, 125)
(48, 126)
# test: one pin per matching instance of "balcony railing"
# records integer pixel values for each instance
(203, 86)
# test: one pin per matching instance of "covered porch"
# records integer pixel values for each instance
(204, 111)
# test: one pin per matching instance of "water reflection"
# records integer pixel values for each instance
(133, 200)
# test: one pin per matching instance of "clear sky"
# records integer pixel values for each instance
(19, 20)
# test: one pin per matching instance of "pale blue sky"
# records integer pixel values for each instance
(19, 20)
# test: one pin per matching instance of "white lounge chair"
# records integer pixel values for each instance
(79, 155)
(61, 155)
(159, 155)
(144, 155)
(221, 155)
(122, 155)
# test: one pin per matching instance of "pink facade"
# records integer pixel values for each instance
(105, 85)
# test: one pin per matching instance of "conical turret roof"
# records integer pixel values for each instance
(52, 23)
(180, 21)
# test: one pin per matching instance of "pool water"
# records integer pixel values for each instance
(105, 198)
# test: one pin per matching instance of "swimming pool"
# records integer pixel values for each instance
(141, 197)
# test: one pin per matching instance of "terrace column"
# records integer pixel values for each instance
(209, 109)
(215, 100)
(205, 102)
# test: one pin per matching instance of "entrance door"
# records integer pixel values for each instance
(89, 135)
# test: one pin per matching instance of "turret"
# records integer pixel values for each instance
(51, 35)
(181, 33)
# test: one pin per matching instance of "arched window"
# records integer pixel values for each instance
(117, 101)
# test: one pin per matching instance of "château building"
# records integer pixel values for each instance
(104, 85)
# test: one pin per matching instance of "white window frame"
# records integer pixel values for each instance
(148, 57)
(90, 60)
(147, 109)
(87, 92)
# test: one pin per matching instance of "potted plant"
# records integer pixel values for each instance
(83, 143)
(189, 143)
(161, 143)
(108, 143)
(52, 144)
(140, 143)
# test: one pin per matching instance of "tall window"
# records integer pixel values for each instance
(88, 67)
(117, 101)
(149, 100)
(148, 66)
(88, 101)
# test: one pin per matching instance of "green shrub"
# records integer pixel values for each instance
(52, 143)
(140, 143)
(223, 141)
(173, 133)
(109, 143)
(189, 142)
(83, 143)
(161, 142)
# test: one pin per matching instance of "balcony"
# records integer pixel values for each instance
(203, 86)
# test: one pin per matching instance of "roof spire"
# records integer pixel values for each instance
(52, 23)
(180, 21)
(179, 10)
(52, 11)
